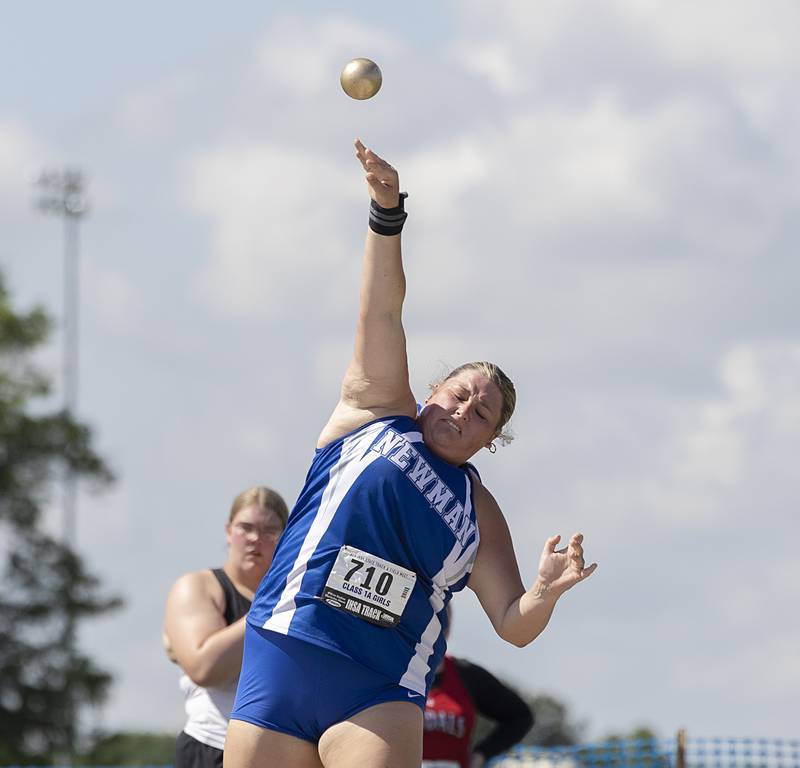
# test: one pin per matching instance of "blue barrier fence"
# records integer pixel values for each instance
(646, 753)
(660, 753)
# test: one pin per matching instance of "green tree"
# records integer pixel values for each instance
(131, 748)
(639, 733)
(46, 589)
(553, 724)
(639, 748)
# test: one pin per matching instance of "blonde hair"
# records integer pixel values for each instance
(496, 375)
(262, 497)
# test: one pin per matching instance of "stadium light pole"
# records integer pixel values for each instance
(61, 192)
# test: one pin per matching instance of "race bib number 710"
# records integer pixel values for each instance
(369, 587)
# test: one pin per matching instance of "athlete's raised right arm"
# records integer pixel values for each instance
(376, 381)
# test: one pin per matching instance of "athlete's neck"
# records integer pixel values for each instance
(245, 581)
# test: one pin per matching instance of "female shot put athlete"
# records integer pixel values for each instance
(346, 631)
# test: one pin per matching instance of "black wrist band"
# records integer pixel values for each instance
(388, 221)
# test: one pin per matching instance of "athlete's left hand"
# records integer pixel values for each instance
(561, 569)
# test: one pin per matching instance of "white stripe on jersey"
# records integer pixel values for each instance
(418, 667)
(463, 564)
(458, 562)
(352, 462)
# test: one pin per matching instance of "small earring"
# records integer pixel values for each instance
(492, 448)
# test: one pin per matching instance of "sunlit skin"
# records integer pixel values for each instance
(461, 416)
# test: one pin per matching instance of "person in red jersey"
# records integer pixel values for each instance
(460, 691)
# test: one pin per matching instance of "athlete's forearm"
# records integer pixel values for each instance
(528, 615)
(378, 373)
(218, 658)
(383, 282)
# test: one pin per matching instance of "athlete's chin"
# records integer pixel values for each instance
(256, 562)
(445, 451)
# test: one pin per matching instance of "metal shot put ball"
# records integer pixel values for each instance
(361, 79)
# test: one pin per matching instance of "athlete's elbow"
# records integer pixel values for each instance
(199, 676)
(203, 674)
(514, 638)
(517, 636)
(519, 642)
(208, 680)
(199, 680)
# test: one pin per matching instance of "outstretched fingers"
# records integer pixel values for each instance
(361, 153)
(372, 162)
(576, 556)
(367, 156)
(586, 572)
(575, 550)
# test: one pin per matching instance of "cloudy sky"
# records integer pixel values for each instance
(604, 199)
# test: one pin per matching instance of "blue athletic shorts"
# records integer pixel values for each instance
(295, 687)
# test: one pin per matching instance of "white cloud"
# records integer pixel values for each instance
(303, 58)
(762, 388)
(275, 203)
(275, 214)
(746, 38)
(580, 168)
(492, 60)
(766, 667)
(769, 586)
(114, 296)
(498, 41)
(712, 457)
(447, 170)
(741, 58)
(153, 113)
(22, 157)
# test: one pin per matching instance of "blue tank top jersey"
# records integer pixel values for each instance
(381, 491)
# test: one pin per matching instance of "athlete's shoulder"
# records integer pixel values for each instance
(348, 419)
(482, 497)
(197, 586)
(472, 471)
(374, 426)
